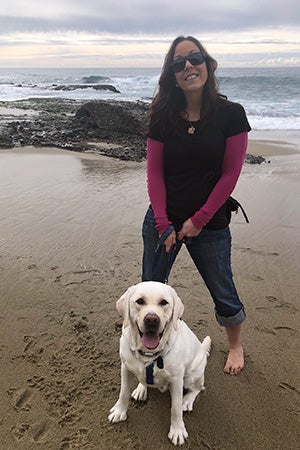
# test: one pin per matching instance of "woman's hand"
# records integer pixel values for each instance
(170, 241)
(188, 230)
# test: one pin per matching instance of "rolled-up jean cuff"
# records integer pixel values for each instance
(232, 321)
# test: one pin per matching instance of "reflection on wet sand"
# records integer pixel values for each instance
(58, 200)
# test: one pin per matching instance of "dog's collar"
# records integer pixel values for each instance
(148, 354)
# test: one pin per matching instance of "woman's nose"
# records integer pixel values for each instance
(188, 64)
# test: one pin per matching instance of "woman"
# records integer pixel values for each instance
(196, 146)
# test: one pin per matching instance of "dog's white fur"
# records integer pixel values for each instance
(184, 356)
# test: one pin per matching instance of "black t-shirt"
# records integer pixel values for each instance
(193, 162)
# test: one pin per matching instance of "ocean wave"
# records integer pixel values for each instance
(274, 123)
(93, 79)
(270, 97)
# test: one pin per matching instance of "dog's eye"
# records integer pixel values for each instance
(163, 303)
(140, 301)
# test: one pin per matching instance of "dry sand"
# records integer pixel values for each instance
(70, 246)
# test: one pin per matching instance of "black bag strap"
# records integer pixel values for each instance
(235, 205)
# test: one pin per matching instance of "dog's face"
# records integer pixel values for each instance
(149, 308)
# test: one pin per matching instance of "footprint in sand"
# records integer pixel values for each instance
(39, 431)
(285, 331)
(21, 400)
(276, 303)
(277, 331)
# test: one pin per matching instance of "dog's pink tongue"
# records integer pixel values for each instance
(150, 340)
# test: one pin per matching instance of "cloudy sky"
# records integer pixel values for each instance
(135, 33)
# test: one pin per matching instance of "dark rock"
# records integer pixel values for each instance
(120, 123)
(252, 159)
(79, 126)
(6, 141)
(115, 129)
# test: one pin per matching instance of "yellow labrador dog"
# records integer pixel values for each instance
(161, 351)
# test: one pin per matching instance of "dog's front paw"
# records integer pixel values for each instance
(177, 435)
(140, 393)
(188, 400)
(117, 413)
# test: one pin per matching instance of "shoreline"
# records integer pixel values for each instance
(257, 146)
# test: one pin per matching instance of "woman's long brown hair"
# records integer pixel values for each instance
(169, 102)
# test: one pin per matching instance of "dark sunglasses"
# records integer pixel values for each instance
(179, 63)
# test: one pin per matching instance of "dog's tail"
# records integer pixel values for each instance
(207, 344)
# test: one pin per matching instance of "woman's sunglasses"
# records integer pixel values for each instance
(179, 63)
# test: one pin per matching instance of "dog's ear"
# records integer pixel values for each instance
(178, 308)
(123, 305)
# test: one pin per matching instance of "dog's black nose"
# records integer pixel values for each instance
(152, 321)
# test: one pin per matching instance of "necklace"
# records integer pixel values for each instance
(191, 127)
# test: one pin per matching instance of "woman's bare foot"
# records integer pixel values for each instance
(235, 360)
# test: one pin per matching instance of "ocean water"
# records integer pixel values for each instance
(270, 96)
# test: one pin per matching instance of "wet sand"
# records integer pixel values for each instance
(71, 245)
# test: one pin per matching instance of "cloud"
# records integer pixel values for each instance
(148, 16)
(140, 31)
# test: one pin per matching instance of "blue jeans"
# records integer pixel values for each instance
(211, 254)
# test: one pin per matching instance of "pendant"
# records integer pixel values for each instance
(191, 130)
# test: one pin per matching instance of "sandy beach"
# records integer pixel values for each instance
(71, 245)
